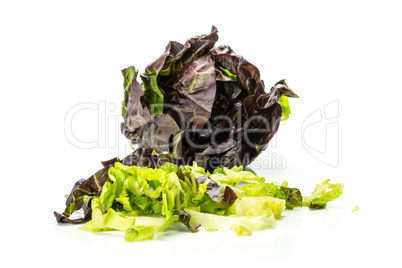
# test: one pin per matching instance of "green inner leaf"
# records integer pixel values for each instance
(228, 73)
(284, 103)
(128, 75)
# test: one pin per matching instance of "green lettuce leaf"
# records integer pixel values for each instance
(217, 222)
(140, 233)
(153, 97)
(109, 220)
(262, 189)
(240, 230)
(322, 194)
(228, 73)
(284, 103)
(282, 93)
(128, 74)
(257, 206)
(135, 228)
(232, 177)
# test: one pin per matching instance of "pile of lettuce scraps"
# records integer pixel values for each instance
(141, 201)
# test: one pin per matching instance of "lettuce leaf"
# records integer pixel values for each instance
(284, 103)
(293, 197)
(134, 114)
(237, 223)
(191, 92)
(81, 193)
(257, 206)
(153, 97)
(128, 74)
(230, 176)
(322, 194)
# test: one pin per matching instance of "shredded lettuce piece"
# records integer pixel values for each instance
(217, 222)
(357, 208)
(240, 230)
(111, 220)
(230, 176)
(256, 206)
(322, 194)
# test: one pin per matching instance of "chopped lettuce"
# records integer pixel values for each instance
(142, 201)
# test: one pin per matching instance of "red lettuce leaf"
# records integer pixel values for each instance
(293, 197)
(89, 187)
(190, 94)
(214, 191)
(136, 115)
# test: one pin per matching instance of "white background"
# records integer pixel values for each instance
(54, 56)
